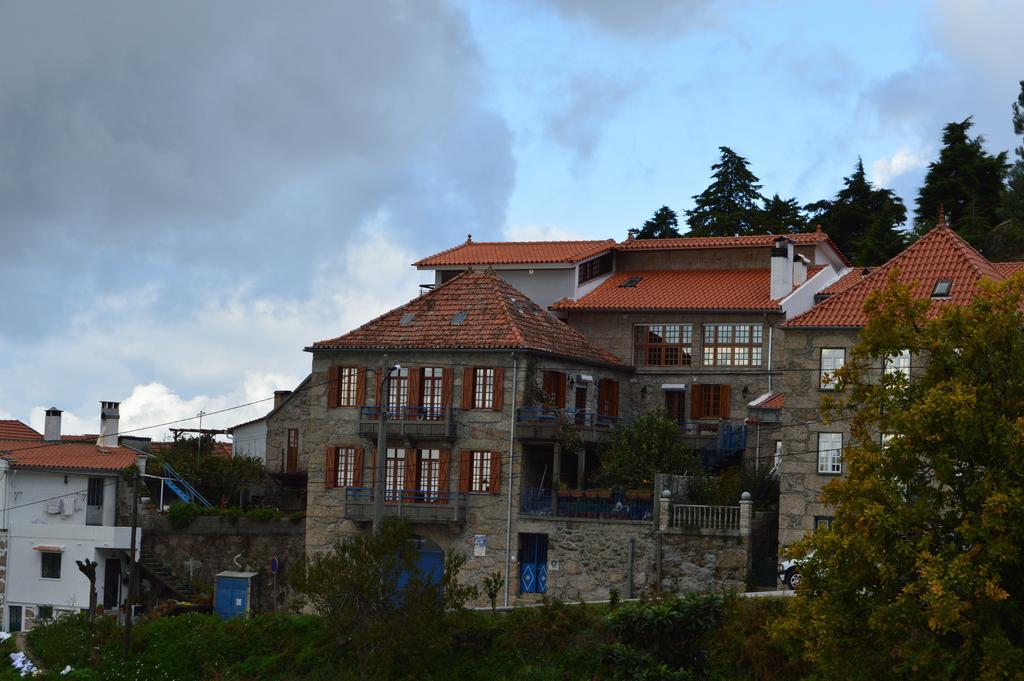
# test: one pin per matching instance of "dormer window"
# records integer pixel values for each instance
(942, 288)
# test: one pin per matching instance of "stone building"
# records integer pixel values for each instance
(944, 269)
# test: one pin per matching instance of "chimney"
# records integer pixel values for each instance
(110, 416)
(280, 396)
(782, 268)
(51, 431)
(800, 264)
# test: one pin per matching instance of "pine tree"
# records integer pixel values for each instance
(730, 206)
(863, 221)
(1013, 200)
(664, 224)
(780, 216)
(966, 181)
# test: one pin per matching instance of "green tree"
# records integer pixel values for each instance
(966, 182)
(730, 206)
(1006, 241)
(782, 215)
(214, 476)
(862, 220)
(642, 448)
(664, 224)
(920, 574)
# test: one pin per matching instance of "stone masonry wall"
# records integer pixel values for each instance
(694, 562)
(702, 259)
(211, 544)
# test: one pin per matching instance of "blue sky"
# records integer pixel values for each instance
(191, 194)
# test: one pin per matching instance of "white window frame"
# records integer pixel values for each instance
(831, 359)
(483, 388)
(480, 472)
(898, 364)
(345, 467)
(830, 457)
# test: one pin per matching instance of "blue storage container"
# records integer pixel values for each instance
(233, 593)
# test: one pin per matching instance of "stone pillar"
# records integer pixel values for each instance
(664, 510)
(746, 513)
(556, 475)
(581, 467)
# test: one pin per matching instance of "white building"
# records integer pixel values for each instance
(60, 498)
(249, 439)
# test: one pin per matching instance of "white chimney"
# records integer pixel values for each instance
(110, 416)
(51, 431)
(800, 264)
(782, 268)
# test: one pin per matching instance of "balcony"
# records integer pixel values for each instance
(544, 424)
(416, 506)
(593, 504)
(411, 423)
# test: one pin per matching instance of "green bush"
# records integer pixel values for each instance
(181, 515)
(744, 648)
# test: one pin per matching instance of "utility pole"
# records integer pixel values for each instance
(133, 569)
(199, 439)
(379, 463)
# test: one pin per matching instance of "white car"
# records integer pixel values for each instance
(789, 571)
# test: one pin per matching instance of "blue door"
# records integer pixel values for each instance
(429, 563)
(533, 563)
(232, 597)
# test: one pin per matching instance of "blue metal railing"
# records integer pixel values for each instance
(372, 412)
(587, 504)
(407, 496)
(578, 417)
(183, 489)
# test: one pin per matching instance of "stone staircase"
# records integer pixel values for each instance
(161, 572)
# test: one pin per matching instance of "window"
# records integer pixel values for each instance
(823, 522)
(554, 388)
(345, 386)
(942, 288)
(831, 359)
(898, 364)
(631, 282)
(778, 453)
(291, 462)
(608, 398)
(663, 345)
(710, 401)
(830, 453)
(398, 393)
(480, 477)
(394, 474)
(433, 380)
(45, 612)
(428, 485)
(727, 345)
(342, 469)
(592, 269)
(51, 564)
(483, 388)
(675, 405)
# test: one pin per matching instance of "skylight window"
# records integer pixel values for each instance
(631, 282)
(942, 288)
(459, 317)
(407, 318)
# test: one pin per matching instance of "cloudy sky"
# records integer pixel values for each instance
(192, 192)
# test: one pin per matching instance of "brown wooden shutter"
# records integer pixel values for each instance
(726, 394)
(613, 398)
(446, 388)
(331, 467)
(332, 386)
(467, 387)
(697, 402)
(495, 486)
(380, 385)
(444, 474)
(465, 470)
(357, 467)
(360, 387)
(499, 389)
(415, 392)
(410, 474)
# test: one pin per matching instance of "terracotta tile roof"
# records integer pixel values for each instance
(940, 254)
(726, 242)
(72, 453)
(744, 289)
(475, 310)
(846, 281)
(773, 400)
(12, 429)
(516, 253)
(1008, 269)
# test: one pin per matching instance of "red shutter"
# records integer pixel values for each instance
(357, 466)
(560, 390)
(697, 402)
(446, 388)
(495, 473)
(360, 387)
(467, 387)
(726, 393)
(332, 386)
(613, 398)
(415, 392)
(499, 389)
(444, 475)
(330, 467)
(465, 470)
(410, 475)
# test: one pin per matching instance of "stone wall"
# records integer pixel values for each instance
(702, 259)
(3, 577)
(211, 544)
(695, 562)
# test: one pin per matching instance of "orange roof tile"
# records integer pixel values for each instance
(12, 429)
(846, 281)
(702, 242)
(940, 254)
(475, 310)
(773, 400)
(516, 253)
(1008, 269)
(66, 454)
(744, 289)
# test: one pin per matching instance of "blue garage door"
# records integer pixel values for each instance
(429, 562)
(232, 597)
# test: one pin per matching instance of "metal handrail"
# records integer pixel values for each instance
(192, 491)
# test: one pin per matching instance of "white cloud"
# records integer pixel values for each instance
(885, 170)
(540, 233)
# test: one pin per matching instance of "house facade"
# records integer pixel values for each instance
(943, 269)
(64, 501)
